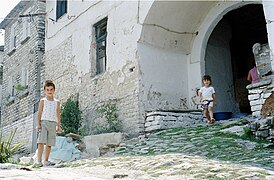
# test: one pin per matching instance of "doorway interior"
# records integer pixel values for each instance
(229, 53)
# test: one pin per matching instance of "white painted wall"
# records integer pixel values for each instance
(198, 48)
(269, 16)
(164, 78)
(218, 66)
(78, 24)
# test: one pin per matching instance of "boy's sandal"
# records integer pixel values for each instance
(209, 122)
(48, 163)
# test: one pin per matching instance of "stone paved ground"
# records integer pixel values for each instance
(203, 152)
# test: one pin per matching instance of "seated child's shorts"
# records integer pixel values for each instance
(47, 135)
(207, 103)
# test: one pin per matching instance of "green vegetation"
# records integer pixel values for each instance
(20, 87)
(70, 117)
(113, 124)
(6, 151)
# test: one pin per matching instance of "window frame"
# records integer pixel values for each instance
(26, 30)
(99, 40)
(61, 8)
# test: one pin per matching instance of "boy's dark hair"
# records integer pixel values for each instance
(207, 77)
(49, 83)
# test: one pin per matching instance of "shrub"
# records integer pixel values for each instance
(6, 151)
(113, 124)
(70, 117)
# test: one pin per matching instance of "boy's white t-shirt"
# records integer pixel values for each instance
(50, 110)
(207, 93)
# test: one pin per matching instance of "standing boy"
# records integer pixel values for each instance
(208, 98)
(48, 117)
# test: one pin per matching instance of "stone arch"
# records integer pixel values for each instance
(183, 36)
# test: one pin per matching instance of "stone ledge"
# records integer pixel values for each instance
(259, 84)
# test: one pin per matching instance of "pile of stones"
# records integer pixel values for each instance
(263, 128)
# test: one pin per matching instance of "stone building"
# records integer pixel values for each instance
(150, 55)
(1, 74)
(23, 53)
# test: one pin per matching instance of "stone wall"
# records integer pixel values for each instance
(24, 133)
(258, 93)
(263, 128)
(18, 107)
(164, 120)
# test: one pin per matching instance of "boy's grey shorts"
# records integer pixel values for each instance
(47, 135)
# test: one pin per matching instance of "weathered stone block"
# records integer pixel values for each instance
(256, 108)
(169, 118)
(253, 97)
(150, 118)
(256, 102)
(263, 133)
(254, 126)
(152, 128)
(266, 95)
(256, 113)
(255, 91)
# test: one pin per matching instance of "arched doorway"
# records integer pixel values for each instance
(229, 56)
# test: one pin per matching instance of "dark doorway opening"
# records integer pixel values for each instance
(248, 27)
(230, 49)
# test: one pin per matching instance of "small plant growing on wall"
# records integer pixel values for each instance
(6, 151)
(20, 87)
(70, 117)
(113, 124)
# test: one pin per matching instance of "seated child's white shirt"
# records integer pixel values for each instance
(207, 93)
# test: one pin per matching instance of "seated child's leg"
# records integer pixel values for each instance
(211, 113)
(206, 114)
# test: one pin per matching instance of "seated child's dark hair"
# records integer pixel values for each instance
(49, 83)
(207, 77)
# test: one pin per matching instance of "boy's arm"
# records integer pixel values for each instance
(214, 98)
(200, 95)
(39, 114)
(59, 130)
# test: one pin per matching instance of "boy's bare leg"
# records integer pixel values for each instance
(210, 113)
(48, 148)
(40, 151)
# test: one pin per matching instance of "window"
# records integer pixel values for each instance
(100, 36)
(12, 38)
(10, 87)
(26, 30)
(25, 77)
(61, 8)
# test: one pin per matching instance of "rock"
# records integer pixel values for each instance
(122, 144)
(238, 130)
(26, 160)
(74, 136)
(69, 139)
(254, 126)
(8, 166)
(263, 133)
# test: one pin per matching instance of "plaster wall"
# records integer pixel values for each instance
(164, 77)
(218, 66)
(71, 56)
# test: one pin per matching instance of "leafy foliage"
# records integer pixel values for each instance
(20, 87)
(6, 151)
(113, 124)
(70, 117)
